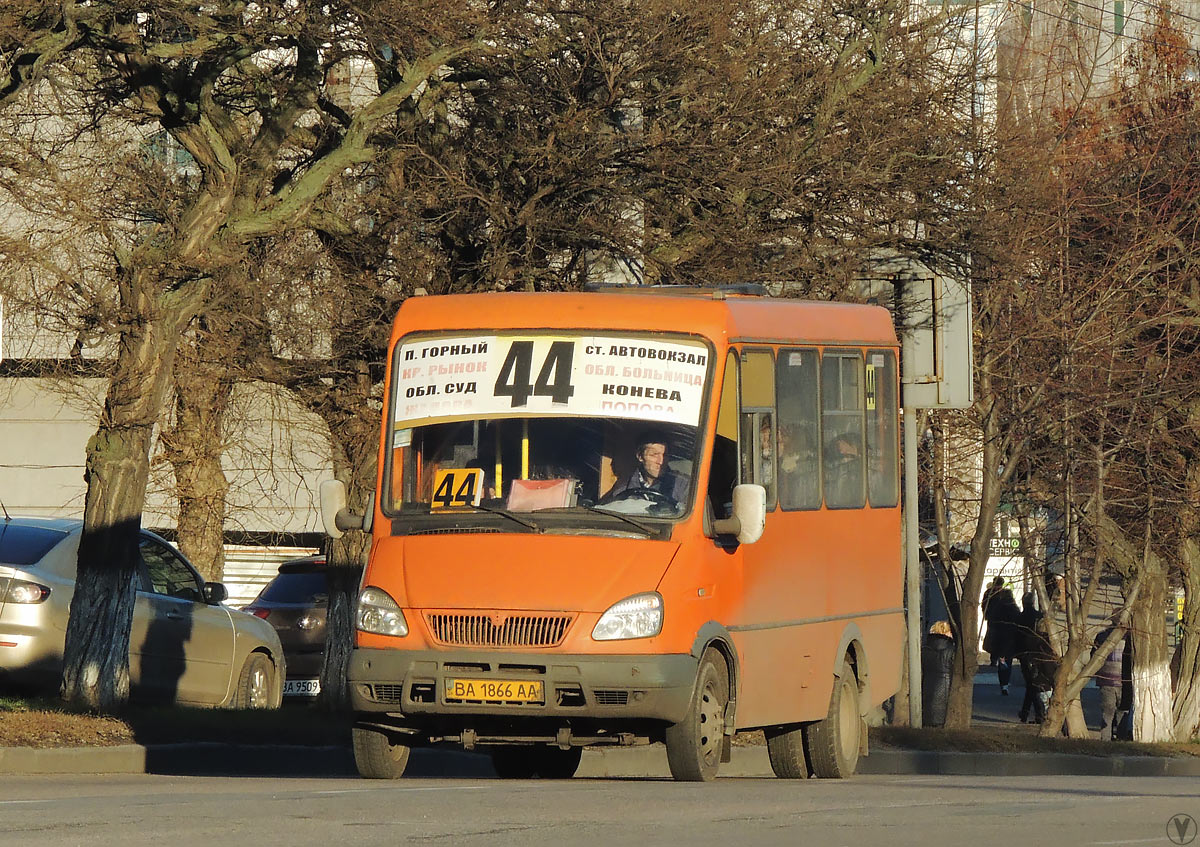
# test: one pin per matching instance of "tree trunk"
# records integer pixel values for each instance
(966, 662)
(999, 456)
(354, 433)
(1186, 663)
(96, 653)
(344, 558)
(1152, 720)
(195, 444)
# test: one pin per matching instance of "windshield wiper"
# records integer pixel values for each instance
(512, 517)
(645, 529)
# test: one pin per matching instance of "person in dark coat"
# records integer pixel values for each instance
(1123, 720)
(1031, 652)
(937, 665)
(996, 586)
(1110, 680)
(1001, 613)
(1045, 666)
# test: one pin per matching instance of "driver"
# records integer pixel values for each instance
(652, 473)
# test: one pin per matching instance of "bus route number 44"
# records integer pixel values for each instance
(553, 379)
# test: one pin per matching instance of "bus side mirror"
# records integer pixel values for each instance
(334, 514)
(749, 514)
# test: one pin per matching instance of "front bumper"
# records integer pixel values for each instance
(620, 687)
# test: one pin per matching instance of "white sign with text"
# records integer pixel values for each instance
(535, 376)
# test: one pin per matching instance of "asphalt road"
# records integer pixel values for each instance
(931, 811)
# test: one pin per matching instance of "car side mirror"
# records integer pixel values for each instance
(749, 514)
(214, 593)
(334, 514)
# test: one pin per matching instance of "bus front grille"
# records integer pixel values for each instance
(498, 629)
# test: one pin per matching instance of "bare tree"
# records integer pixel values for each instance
(242, 89)
(528, 147)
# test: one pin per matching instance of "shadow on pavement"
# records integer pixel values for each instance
(302, 762)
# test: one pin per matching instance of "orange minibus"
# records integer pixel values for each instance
(650, 514)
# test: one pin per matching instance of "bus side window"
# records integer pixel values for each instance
(842, 429)
(723, 473)
(758, 421)
(798, 429)
(882, 452)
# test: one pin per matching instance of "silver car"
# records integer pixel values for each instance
(185, 647)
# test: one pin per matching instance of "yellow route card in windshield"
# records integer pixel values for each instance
(457, 488)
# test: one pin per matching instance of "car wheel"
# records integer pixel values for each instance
(785, 749)
(694, 744)
(377, 755)
(256, 685)
(833, 743)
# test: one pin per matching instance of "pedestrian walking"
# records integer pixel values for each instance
(1002, 615)
(996, 586)
(1032, 652)
(1109, 679)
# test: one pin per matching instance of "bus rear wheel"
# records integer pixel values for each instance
(694, 744)
(377, 755)
(785, 749)
(833, 743)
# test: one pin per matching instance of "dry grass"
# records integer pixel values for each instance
(61, 729)
(48, 723)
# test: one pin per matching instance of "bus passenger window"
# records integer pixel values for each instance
(882, 453)
(758, 452)
(758, 421)
(723, 474)
(842, 429)
(799, 460)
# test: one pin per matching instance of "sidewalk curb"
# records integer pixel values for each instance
(648, 762)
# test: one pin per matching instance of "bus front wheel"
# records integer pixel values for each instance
(694, 744)
(833, 743)
(377, 755)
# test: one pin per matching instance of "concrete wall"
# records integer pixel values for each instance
(275, 457)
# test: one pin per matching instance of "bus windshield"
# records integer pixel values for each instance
(554, 423)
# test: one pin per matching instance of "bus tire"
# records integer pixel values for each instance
(694, 744)
(833, 743)
(377, 755)
(785, 749)
(556, 763)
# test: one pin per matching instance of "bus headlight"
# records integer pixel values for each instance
(639, 616)
(378, 613)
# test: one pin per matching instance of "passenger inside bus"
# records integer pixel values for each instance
(843, 472)
(799, 479)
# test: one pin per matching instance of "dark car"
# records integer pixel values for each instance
(295, 602)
